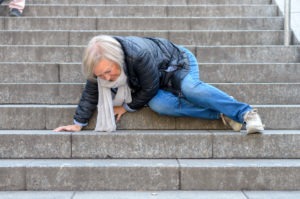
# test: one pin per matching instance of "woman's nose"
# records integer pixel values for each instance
(107, 77)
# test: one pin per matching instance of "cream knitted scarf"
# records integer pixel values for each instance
(106, 101)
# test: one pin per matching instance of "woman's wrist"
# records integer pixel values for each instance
(79, 123)
(127, 108)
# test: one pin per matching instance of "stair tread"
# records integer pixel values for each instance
(150, 10)
(121, 23)
(184, 2)
(189, 163)
(150, 194)
(148, 132)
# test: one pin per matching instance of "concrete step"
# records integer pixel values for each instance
(29, 72)
(150, 175)
(204, 54)
(251, 73)
(89, 175)
(150, 195)
(247, 54)
(239, 174)
(148, 10)
(69, 93)
(150, 144)
(40, 117)
(146, 2)
(141, 23)
(35, 72)
(180, 37)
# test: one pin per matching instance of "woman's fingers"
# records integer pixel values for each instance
(119, 111)
(72, 128)
(59, 129)
(119, 117)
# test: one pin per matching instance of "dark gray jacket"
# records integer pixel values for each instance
(150, 64)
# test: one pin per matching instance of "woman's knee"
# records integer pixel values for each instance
(158, 106)
(163, 104)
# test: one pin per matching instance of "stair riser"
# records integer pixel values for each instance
(40, 94)
(93, 175)
(181, 37)
(148, 11)
(204, 54)
(142, 24)
(212, 73)
(35, 145)
(203, 11)
(220, 176)
(149, 175)
(247, 55)
(218, 145)
(70, 93)
(140, 145)
(153, 2)
(33, 73)
(149, 144)
(252, 73)
(278, 145)
(50, 117)
(230, 38)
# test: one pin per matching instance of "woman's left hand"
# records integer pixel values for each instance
(119, 111)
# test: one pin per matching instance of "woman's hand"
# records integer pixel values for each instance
(72, 128)
(119, 111)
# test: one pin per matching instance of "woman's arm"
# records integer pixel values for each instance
(88, 103)
(148, 77)
(85, 109)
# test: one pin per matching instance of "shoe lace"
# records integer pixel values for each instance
(251, 115)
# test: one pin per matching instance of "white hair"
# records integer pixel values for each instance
(101, 47)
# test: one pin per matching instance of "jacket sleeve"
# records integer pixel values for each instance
(148, 77)
(88, 103)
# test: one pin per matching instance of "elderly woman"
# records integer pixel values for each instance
(126, 73)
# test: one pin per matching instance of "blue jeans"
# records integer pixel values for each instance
(200, 100)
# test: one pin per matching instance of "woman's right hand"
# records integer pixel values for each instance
(72, 128)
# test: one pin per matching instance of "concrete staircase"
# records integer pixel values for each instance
(239, 46)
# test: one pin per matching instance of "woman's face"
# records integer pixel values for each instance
(107, 70)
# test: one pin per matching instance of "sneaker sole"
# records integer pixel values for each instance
(255, 130)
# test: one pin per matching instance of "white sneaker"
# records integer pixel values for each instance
(253, 122)
(231, 123)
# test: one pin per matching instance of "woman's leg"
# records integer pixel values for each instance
(204, 95)
(166, 103)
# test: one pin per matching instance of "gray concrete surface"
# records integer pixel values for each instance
(34, 144)
(150, 175)
(52, 116)
(226, 174)
(183, 37)
(154, 2)
(151, 195)
(271, 144)
(149, 11)
(219, 73)
(205, 54)
(66, 93)
(152, 144)
(142, 144)
(140, 23)
(141, 174)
